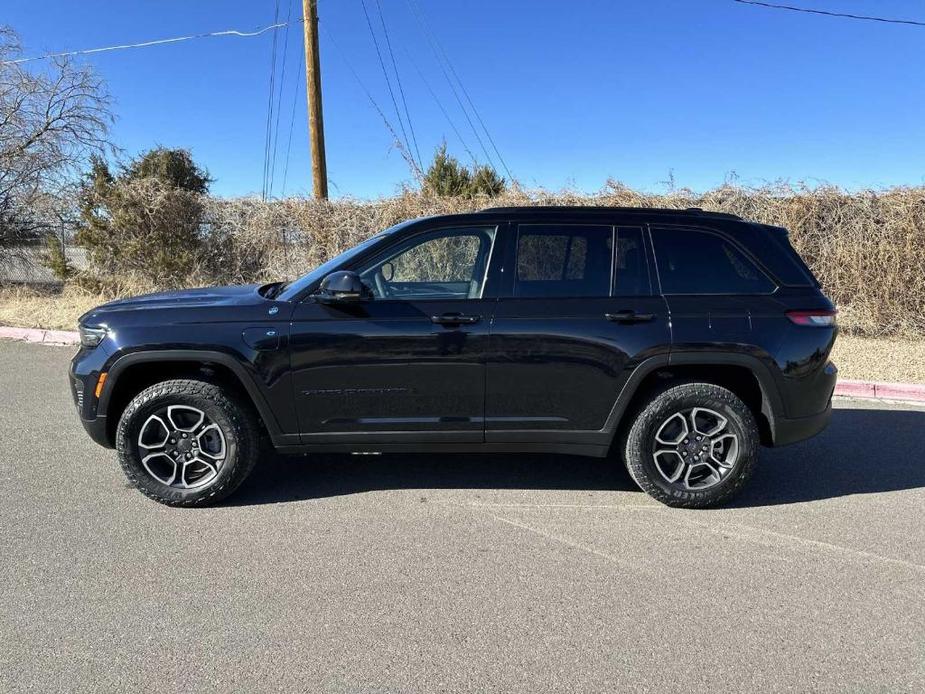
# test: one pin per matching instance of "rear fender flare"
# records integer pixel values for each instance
(771, 404)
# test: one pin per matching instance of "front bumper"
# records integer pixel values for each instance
(96, 428)
(83, 377)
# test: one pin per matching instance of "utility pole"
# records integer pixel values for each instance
(313, 91)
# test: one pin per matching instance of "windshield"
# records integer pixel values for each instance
(291, 289)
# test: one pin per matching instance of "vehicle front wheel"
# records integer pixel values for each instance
(693, 445)
(187, 442)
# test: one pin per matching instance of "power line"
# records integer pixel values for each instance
(401, 91)
(431, 41)
(442, 109)
(269, 128)
(401, 147)
(845, 15)
(279, 98)
(388, 84)
(469, 100)
(295, 97)
(146, 44)
(478, 117)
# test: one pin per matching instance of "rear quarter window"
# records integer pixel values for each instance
(692, 261)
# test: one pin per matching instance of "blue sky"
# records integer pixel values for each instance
(571, 92)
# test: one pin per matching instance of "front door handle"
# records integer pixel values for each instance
(629, 317)
(455, 319)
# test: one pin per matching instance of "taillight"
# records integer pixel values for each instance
(820, 317)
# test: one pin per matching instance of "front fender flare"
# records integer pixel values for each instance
(122, 363)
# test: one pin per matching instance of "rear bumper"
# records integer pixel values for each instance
(788, 431)
(806, 395)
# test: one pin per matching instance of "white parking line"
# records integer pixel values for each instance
(618, 507)
(630, 566)
(750, 533)
(738, 531)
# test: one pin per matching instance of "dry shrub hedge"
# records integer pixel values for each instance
(867, 248)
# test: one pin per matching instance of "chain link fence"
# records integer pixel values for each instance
(24, 263)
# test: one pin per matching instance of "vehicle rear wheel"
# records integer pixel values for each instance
(187, 442)
(693, 445)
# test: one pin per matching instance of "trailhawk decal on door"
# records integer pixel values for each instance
(355, 391)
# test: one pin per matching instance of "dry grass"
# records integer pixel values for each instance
(862, 358)
(890, 360)
(867, 248)
(24, 308)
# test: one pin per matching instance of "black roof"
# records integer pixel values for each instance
(602, 209)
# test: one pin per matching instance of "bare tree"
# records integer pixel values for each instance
(52, 118)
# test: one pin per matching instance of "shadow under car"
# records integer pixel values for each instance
(862, 451)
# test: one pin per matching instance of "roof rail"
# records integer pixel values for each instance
(690, 211)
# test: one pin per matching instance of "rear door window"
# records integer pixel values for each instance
(692, 261)
(564, 260)
(631, 270)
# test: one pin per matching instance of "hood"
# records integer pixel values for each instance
(234, 297)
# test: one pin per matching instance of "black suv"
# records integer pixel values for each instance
(677, 341)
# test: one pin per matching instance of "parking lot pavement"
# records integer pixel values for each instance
(457, 573)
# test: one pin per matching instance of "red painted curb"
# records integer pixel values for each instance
(45, 337)
(61, 337)
(901, 391)
(910, 392)
(855, 389)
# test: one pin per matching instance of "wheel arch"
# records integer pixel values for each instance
(743, 374)
(132, 373)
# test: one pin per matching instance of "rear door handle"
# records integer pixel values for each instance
(629, 317)
(455, 319)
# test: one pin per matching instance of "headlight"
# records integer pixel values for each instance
(91, 337)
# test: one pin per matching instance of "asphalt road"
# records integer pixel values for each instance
(491, 573)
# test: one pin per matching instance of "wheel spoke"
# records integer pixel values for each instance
(146, 461)
(206, 463)
(728, 447)
(679, 464)
(708, 482)
(144, 430)
(677, 418)
(221, 440)
(176, 409)
(703, 413)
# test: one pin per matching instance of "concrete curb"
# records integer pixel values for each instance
(45, 337)
(910, 392)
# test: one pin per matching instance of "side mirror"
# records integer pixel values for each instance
(343, 286)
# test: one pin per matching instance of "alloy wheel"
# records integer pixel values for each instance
(180, 446)
(695, 449)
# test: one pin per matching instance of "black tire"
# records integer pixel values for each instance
(235, 418)
(640, 444)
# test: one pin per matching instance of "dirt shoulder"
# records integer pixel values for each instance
(893, 360)
(22, 308)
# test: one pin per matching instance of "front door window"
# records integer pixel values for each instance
(445, 264)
